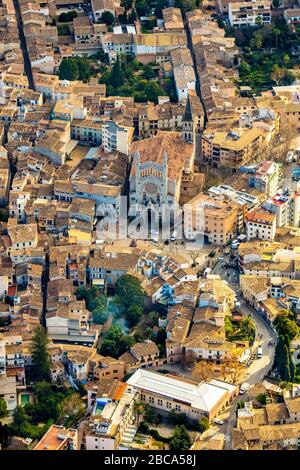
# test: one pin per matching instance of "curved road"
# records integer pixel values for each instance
(258, 369)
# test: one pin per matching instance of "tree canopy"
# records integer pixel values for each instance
(40, 354)
(180, 440)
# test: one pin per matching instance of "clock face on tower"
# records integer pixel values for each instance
(150, 188)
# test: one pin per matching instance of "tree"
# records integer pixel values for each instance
(138, 409)
(66, 17)
(177, 418)
(117, 75)
(150, 416)
(130, 292)
(204, 424)
(133, 315)
(142, 7)
(3, 408)
(153, 91)
(180, 440)
(68, 69)
(276, 3)
(108, 18)
(203, 370)
(277, 74)
(262, 399)
(286, 386)
(256, 41)
(72, 407)
(286, 326)
(115, 343)
(276, 33)
(20, 418)
(40, 355)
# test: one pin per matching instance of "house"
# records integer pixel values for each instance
(144, 354)
(58, 438)
(101, 6)
(260, 224)
(8, 390)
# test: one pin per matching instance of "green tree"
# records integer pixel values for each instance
(115, 343)
(150, 416)
(130, 292)
(117, 75)
(177, 418)
(142, 7)
(204, 424)
(84, 68)
(66, 17)
(262, 399)
(153, 91)
(108, 18)
(20, 418)
(286, 326)
(40, 355)
(180, 440)
(256, 41)
(138, 409)
(3, 408)
(68, 69)
(133, 315)
(276, 3)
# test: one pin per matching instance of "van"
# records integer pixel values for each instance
(242, 238)
(259, 352)
(173, 236)
(244, 387)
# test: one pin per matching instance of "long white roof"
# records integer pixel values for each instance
(203, 396)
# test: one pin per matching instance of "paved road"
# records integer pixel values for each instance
(259, 368)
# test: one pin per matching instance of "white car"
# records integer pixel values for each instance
(219, 421)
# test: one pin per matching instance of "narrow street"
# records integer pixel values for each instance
(258, 369)
(27, 64)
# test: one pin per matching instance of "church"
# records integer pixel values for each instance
(158, 168)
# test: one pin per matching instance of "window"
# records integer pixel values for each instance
(177, 407)
(159, 402)
(169, 405)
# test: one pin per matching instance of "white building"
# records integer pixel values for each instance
(247, 13)
(286, 206)
(194, 399)
(185, 80)
(260, 224)
(116, 137)
(8, 391)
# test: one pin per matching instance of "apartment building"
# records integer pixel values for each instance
(265, 178)
(231, 149)
(249, 13)
(260, 224)
(213, 217)
(111, 426)
(116, 137)
(286, 206)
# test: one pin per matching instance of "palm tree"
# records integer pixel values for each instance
(138, 409)
(276, 32)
